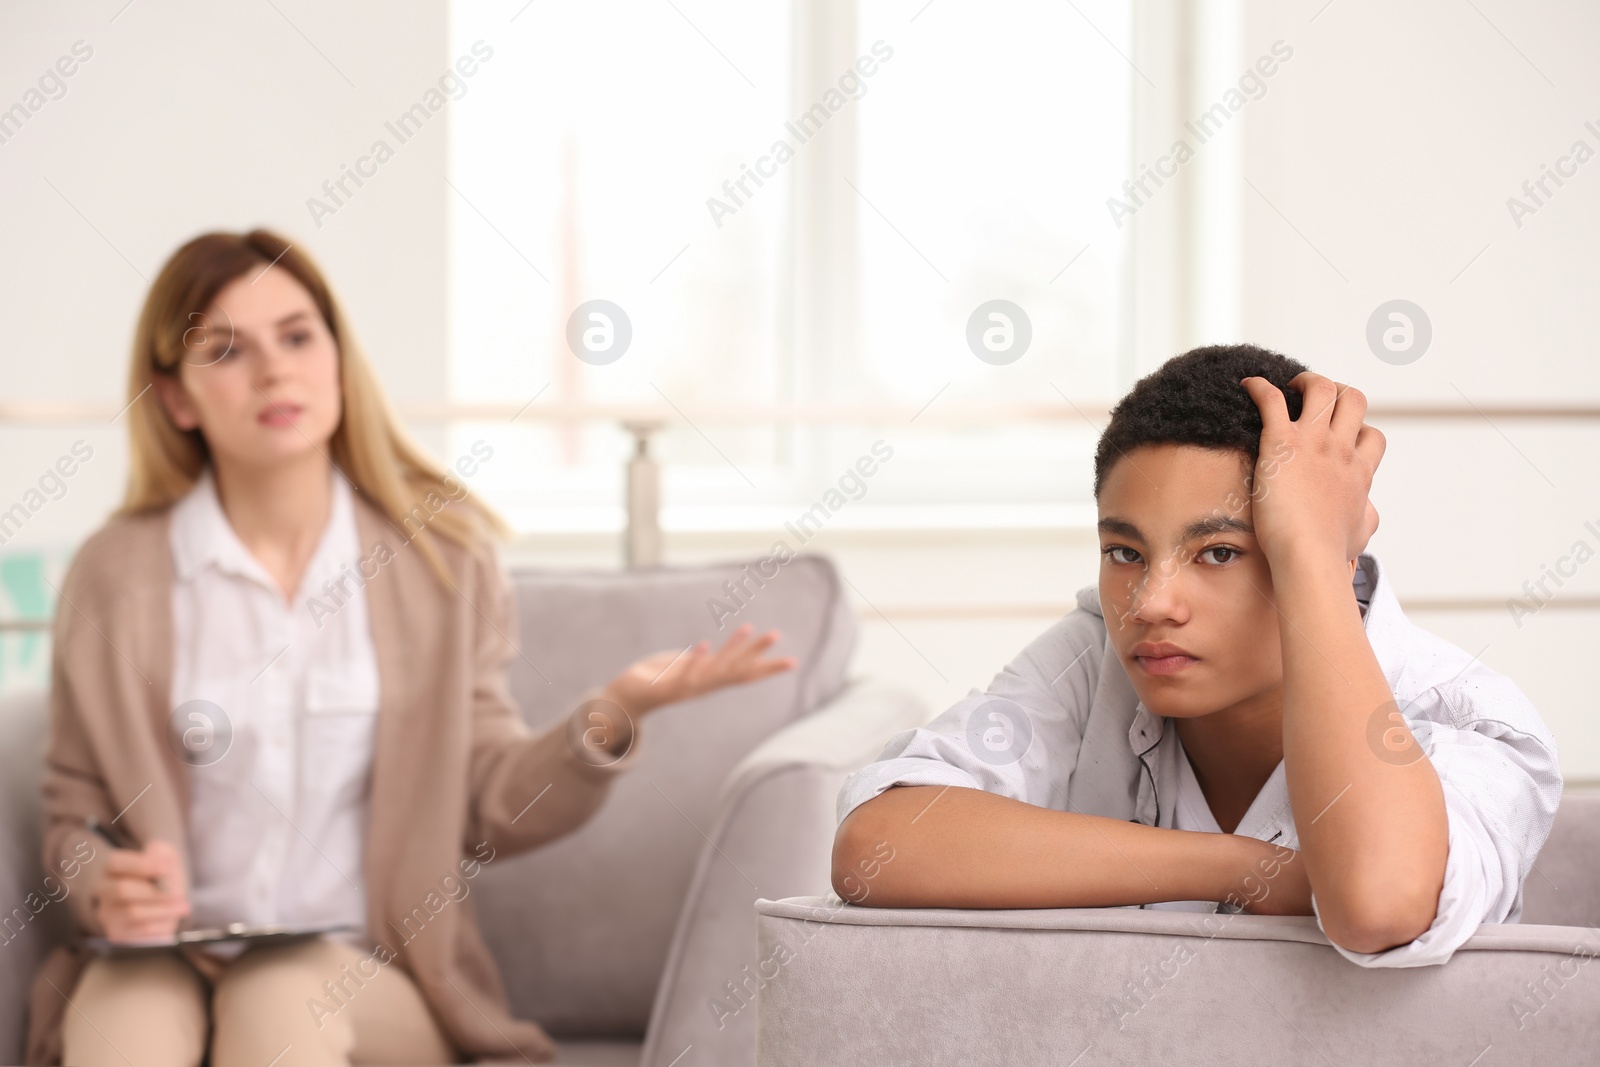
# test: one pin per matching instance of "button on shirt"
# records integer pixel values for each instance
(1061, 727)
(276, 704)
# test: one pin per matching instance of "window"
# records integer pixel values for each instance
(938, 158)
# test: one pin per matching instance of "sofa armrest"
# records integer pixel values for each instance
(773, 836)
(934, 986)
(842, 736)
(1563, 889)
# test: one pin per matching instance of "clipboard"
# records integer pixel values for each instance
(254, 935)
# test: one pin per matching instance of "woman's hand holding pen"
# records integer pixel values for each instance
(141, 897)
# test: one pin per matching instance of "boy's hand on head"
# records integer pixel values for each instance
(1314, 474)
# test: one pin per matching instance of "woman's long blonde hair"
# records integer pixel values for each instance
(369, 446)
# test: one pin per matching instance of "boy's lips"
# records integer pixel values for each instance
(1165, 664)
(1162, 657)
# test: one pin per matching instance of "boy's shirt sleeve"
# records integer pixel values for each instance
(1019, 738)
(1502, 784)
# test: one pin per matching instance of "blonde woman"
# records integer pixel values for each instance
(280, 670)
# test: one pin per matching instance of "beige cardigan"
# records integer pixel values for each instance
(453, 764)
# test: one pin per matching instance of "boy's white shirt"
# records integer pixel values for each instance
(1061, 727)
(1191, 811)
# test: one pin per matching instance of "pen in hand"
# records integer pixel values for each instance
(117, 837)
(137, 902)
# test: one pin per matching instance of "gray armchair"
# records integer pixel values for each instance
(629, 939)
(1095, 986)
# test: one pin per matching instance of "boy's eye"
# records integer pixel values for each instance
(1230, 554)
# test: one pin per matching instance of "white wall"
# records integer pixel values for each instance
(1392, 141)
(188, 117)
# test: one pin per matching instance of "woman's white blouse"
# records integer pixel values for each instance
(274, 708)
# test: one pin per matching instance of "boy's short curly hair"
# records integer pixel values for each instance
(1196, 399)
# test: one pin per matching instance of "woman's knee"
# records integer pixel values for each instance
(137, 1010)
(269, 997)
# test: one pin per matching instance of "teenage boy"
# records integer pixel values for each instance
(1239, 713)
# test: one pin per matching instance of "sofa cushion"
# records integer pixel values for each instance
(581, 927)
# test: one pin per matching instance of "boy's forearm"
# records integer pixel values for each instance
(965, 848)
(1370, 812)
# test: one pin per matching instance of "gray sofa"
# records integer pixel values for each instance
(621, 938)
(1098, 986)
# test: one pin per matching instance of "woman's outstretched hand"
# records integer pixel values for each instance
(682, 674)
